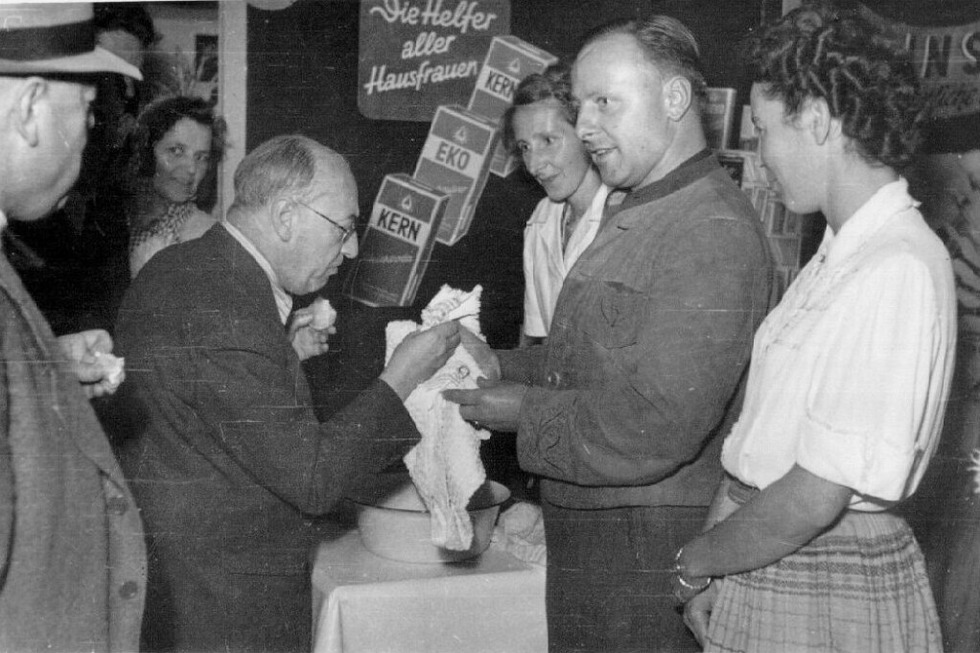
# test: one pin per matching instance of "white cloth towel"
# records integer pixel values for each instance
(445, 466)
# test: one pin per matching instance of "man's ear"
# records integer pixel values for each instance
(25, 115)
(677, 96)
(283, 215)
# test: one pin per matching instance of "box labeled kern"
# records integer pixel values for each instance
(509, 60)
(398, 242)
(456, 160)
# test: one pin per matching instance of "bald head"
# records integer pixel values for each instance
(288, 166)
(295, 200)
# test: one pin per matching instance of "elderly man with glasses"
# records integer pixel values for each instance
(218, 436)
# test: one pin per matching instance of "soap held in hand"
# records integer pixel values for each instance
(324, 314)
(113, 370)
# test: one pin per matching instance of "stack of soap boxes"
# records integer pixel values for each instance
(438, 201)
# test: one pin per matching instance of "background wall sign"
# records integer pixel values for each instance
(418, 54)
(947, 60)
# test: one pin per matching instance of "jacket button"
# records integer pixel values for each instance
(117, 505)
(129, 589)
(554, 379)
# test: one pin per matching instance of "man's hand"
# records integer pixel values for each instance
(90, 356)
(697, 612)
(420, 355)
(307, 341)
(494, 406)
(481, 353)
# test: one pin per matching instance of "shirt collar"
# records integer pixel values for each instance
(881, 207)
(284, 302)
(694, 168)
(598, 203)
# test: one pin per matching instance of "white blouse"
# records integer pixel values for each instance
(545, 265)
(851, 372)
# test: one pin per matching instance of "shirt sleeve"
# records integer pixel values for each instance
(673, 356)
(874, 400)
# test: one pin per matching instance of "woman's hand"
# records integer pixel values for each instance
(307, 341)
(419, 356)
(697, 612)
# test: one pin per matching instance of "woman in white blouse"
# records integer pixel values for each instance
(849, 376)
(540, 128)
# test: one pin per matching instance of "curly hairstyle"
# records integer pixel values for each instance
(157, 119)
(555, 83)
(820, 51)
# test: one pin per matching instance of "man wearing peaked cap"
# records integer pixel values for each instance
(72, 556)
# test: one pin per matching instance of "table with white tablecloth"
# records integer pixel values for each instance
(366, 604)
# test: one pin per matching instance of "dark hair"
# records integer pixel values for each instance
(555, 83)
(129, 17)
(667, 44)
(820, 51)
(158, 118)
(282, 164)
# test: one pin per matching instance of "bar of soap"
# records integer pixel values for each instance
(113, 369)
(324, 314)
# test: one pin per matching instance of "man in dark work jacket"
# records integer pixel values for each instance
(222, 449)
(621, 411)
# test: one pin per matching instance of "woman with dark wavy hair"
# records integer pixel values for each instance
(850, 374)
(176, 144)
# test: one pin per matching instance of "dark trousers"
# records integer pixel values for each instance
(197, 607)
(608, 582)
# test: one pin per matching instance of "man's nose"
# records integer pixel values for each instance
(585, 123)
(350, 248)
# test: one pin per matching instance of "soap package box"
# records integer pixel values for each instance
(398, 242)
(456, 160)
(509, 60)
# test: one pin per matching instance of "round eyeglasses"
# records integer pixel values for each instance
(348, 231)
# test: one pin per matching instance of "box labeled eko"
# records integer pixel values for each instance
(456, 160)
(509, 60)
(398, 242)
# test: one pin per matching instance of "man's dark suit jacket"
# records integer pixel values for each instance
(224, 454)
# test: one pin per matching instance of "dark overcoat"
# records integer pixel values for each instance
(225, 455)
(72, 559)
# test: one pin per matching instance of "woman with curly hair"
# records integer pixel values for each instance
(176, 144)
(803, 550)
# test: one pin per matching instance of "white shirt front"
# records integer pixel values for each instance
(851, 372)
(545, 264)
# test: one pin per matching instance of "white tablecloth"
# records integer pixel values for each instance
(366, 604)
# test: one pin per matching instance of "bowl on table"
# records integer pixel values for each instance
(394, 523)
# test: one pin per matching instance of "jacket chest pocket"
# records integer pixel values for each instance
(612, 315)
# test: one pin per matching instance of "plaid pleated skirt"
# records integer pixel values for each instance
(861, 587)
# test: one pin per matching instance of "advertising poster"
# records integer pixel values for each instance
(418, 54)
